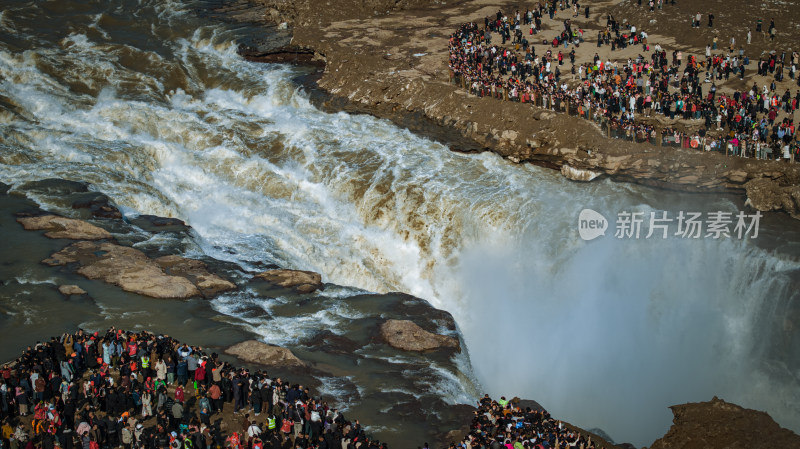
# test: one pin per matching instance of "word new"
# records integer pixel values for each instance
(686, 225)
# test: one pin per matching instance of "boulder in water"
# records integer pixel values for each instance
(577, 174)
(301, 281)
(55, 187)
(253, 351)
(196, 271)
(64, 228)
(70, 290)
(125, 267)
(98, 204)
(406, 335)
(331, 343)
(720, 424)
(153, 223)
(767, 195)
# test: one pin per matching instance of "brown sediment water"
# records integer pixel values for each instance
(155, 108)
(347, 364)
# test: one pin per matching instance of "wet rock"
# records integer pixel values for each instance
(69, 290)
(412, 306)
(98, 204)
(195, 270)
(64, 228)
(720, 424)
(257, 352)
(301, 281)
(405, 335)
(212, 284)
(55, 187)
(152, 223)
(125, 267)
(284, 55)
(577, 174)
(328, 342)
(767, 195)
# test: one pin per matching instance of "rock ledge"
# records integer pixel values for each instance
(406, 335)
(253, 351)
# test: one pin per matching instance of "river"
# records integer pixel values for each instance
(153, 106)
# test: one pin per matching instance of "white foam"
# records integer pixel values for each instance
(338, 392)
(263, 177)
(21, 280)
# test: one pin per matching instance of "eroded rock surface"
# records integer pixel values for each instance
(257, 352)
(196, 271)
(406, 335)
(717, 424)
(302, 281)
(64, 228)
(767, 195)
(70, 290)
(128, 268)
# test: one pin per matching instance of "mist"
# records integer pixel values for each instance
(609, 333)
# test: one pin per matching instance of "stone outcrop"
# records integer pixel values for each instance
(64, 228)
(77, 194)
(301, 281)
(406, 335)
(196, 271)
(98, 204)
(718, 424)
(153, 223)
(70, 290)
(767, 195)
(253, 351)
(576, 174)
(128, 268)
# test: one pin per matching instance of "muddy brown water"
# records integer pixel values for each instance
(386, 388)
(155, 108)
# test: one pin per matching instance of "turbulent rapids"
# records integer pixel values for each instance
(155, 108)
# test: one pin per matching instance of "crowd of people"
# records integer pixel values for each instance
(140, 390)
(499, 424)
(628, 96)
(132, 390)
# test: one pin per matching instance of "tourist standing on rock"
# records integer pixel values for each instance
(182, 371)
(215, 394)
(161, 370)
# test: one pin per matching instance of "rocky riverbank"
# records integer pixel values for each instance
(391, 60)
(406, 330)
(67, 267)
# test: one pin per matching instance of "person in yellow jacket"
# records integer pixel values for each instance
(502, 401)
(145, 366)
(6, 430)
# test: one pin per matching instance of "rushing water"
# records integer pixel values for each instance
(154, 107)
